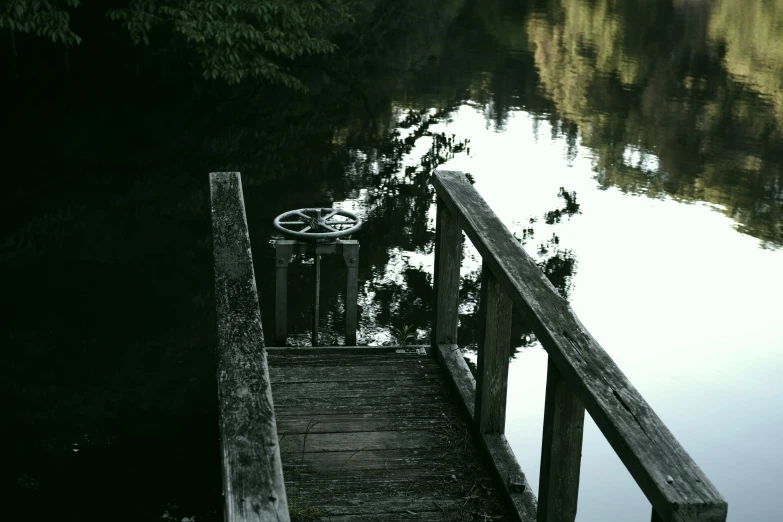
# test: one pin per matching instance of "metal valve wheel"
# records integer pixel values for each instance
(317, 223)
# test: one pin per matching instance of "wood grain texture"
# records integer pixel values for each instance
(561, 450)
(323, 373)
(458, 373)
(358, 355)
(501, 458)
(315, 442)
(370, 447)
(675, 485)
(367, 350)
(359, 390)
(448, 257)
(510, 475)
(328, 404)
(432, 515)
(493, 353)
(253, 483)
(352, 465)
(372, 504)
(346, 423)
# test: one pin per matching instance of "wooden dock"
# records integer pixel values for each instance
(376, 436)
(383, 433)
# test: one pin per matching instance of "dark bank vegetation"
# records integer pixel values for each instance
(105, 242)
(229, 40)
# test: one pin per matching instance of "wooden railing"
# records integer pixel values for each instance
(580, 374)
(253, 484)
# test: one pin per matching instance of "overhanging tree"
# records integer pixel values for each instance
(235, 39)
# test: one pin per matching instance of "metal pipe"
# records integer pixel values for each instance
(317, 298)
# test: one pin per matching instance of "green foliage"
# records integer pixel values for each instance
(404, 335)
(45, 18)
(238, 39)
(235, 39)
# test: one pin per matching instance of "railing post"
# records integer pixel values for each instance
(448, 256)
(664, 471)
(493, 353)
(253, 483)
(284, 250)
(351, 256)
(561, 450)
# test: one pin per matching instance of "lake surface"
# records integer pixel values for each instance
(634, 147)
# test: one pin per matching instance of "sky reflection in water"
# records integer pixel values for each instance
(684, 303)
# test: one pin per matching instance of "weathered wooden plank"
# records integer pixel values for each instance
(390, 372)
(334, 454)
(501, 459)
(458, 374)
(253, 483)
(351, 256)
(675, 485)
(374, 482)
(509, 474)
(493, 353)
(354, 463)
(328, 405)
(448, 256)
(308, 359)
(561, 450)
(421, 516)
(344, 423)
(303, 248)
(334, 503)
(297, 443)
(343, 390)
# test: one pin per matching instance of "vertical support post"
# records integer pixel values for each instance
(493, 352)
(351, 256)
(561, 450)
(655, 517)
(284, 250)
(448, 256)
(316, 298)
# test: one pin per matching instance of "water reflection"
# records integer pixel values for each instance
(391, 180)
(681, 101)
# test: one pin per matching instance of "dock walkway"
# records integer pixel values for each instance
(367, 433)
(376, 437)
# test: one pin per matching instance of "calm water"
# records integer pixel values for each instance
(635, 147)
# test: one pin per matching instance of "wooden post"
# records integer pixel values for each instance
(668, 476)
(351, 256)
(448, 256)
(655, 517)
(253, 484)
(561, 450)
(316, 298)
(493, 352)
(284, 250)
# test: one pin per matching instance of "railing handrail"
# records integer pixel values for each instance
(253, 483)
(674, 484)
